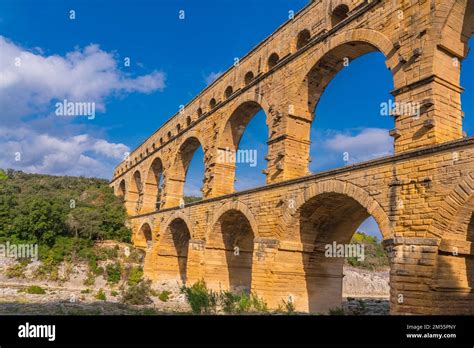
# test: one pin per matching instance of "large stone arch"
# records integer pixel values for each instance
(121, 189)
(321, 65)
(369, 40)
(453, 275)
(292, 204)
(229, 134)
(172, 249)
(135, 192)
(175, 175)
(449, 211)
(249, 97)
(179, 214)
(326, 215)
(233, 205)
(143, 235)
(152, 190)
(447, 24)
(229, 248)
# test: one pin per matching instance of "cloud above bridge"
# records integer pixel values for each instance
(368, 144)
(212, 77)
(32, 83)
(336, 148)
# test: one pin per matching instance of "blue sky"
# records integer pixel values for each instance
(171, 60)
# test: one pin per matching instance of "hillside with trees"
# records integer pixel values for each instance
(63, 215)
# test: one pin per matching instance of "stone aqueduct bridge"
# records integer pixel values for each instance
(422, 197)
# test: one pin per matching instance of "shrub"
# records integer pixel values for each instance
(107, 253)
(200, 298)
(136, 256)
(35, 289)
(138, 294)
(237, 303)
(90, 280)
(47, 270)
(16, 270)
(93, 266)
(165, 295)
(112, 253)
(135, 276)
(101, 295)
(86, 291)
(287, 307)
(113, 273)
(114, 293)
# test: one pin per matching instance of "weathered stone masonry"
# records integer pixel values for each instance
(271, 239)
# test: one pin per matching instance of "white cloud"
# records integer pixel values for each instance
(212, 77)
(329, 147)
(30, 84)
(30, 81)
(370, 143)
(35, 152)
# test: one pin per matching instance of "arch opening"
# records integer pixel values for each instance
(303, 38)
(184, 184)
(121, 189)
(358, 129)
(230, 243)
(212, 103)
(454, 270)
(135, 194)
(339, 14)
(248, 78)
(153, 187)
(242, 148)
(144, 236)
(228, 92)
(172, 253)
(273, 60)
(329, 225)
(467, 97)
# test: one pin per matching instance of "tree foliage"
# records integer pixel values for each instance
(62, 214)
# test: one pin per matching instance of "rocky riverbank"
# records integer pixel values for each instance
(75, 289)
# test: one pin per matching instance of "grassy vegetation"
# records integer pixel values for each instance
(205, 301)
(17, 270)
(287, 307)
(135, 275)
(201, 299)
(114, 273)
(35, 289)
(164, 295)
(139, 294)
(238, 303)
(101, 295)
